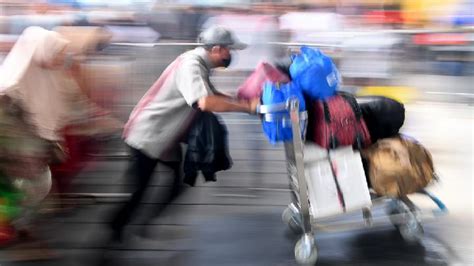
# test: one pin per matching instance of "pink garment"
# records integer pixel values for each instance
(39, 89)
(252, 87)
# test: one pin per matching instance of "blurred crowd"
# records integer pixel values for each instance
(380, 32)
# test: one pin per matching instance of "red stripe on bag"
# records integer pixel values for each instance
(340, 196)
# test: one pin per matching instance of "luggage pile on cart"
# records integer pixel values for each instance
(343, 154)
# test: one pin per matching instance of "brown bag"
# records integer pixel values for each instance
(398, 166)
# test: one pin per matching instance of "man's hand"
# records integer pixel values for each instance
(253, 105)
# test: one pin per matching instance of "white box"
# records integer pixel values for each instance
(322, 189)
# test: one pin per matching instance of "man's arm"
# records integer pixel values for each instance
(225, 95)
(196, 89)
(217, 103)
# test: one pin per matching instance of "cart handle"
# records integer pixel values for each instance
(291, 102)
(272, 108)
(276, 112)
(283, 117)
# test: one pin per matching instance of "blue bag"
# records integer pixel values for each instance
(315, 73)
(280, 129)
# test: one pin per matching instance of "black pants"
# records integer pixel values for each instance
(141, 169)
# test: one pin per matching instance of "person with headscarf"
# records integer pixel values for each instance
(31, 76)
(38, 77)
(33, 109)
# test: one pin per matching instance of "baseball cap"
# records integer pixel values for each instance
(220, 36)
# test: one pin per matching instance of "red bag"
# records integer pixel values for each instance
(252, 87)
(337, 122)
(7, 234)
(78, 150)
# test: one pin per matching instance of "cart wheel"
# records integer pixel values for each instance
(305, 250)
(292, 219)
(407, 223)
(394, 210)
(411, 231)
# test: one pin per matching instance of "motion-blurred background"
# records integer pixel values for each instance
(419, 52)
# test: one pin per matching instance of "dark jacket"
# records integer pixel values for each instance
(207, 149)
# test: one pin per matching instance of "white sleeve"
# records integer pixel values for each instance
(192, 82)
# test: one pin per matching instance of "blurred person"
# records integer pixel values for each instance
(33, 109)
(23, 161)
(41, 101)
(162, 117)
(88, 123)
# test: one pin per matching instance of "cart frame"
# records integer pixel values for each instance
(403, 213)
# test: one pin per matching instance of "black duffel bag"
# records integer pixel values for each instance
(383, 116)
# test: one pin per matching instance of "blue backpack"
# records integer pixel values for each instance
(315, 73)
(279, 129)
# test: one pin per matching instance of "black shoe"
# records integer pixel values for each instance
(116, 237)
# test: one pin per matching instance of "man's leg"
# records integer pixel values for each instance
(166, 197)
(141, 169)
(176, 187)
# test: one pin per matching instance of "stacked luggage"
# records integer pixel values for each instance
(337, 148)
(394, 165)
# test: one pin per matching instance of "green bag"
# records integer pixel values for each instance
(10, 199)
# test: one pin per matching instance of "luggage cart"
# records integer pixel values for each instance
(403, 213)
